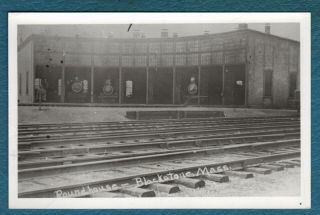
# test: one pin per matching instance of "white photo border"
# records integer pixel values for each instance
(300, 202)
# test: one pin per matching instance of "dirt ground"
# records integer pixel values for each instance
(282, 183)
(29, 114)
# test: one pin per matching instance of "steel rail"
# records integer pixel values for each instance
(147, 121)
(53, 132)
(98, 165)
(130, 126)
(158, 130)
(61, 157)
(150, 134)
(102, 152)
(276, 130)
(144, 129)
(116, 183)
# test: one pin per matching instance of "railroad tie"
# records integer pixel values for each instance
(240, 174)
(198, 143)
(258, 170)
(286, 165)
(138, 192)
(191, 182)
(295, 163)
(272, 167)
(216, 177)
(165, 188)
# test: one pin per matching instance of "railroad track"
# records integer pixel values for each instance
(91, 152)
(99, 133)
(76, 180)
(156, 133)
(38, 130)
(137, 122)
(77, 164)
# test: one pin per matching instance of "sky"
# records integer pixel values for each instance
(287, 30)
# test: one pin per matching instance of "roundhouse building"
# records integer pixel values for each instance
(239, 68)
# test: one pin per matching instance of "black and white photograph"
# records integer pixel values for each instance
(143, 110)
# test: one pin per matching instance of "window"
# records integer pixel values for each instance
(127, 61)
(140, 60)
(292, 84)
(167, 60)
(180, 47)
(205, 58)
(205, 45)
(217, 58)
(268, 83)
(27, 83)
(153, 60)
(154, 48)
(193, 46)
(167, 47)
(141, 47)
(112, 61)
(181, 60)
(127, 48)
(193, 59)
(20, 84)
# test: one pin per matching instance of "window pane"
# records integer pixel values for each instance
(180, 60)
(140, 60)
(180, 47)
(205, 58)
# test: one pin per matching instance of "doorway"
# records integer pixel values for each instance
(134, 86)
(234, 85)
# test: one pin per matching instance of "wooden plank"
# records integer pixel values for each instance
(191, 182)
(272, 167)
(286, 165)
(166, 188)
(258, 170)
(138, 192)
(240, 174)
(217, 178)
(292, 162)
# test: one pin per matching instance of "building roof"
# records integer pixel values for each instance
(203, 36)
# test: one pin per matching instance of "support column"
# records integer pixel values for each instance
(223, 75)
(120, 85)
(92, 77)
(147, 86)
(147, 79)
(63, 88)
(174, 85)
(174, 72)
(247, 68)
(199, 83)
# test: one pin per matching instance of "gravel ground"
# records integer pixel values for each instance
(282, 183)
(29, 114)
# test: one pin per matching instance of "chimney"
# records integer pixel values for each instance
(206, 32)
(243, 26)
(175, 35)
(136, 34)
(164, 33)
(267, 28)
